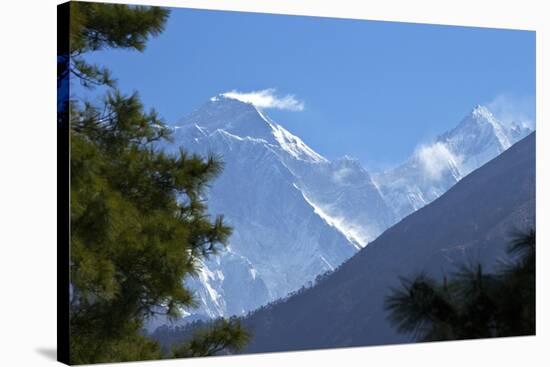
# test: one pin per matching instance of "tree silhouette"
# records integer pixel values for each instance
(472, 304)
(221, 336)
(139, 221)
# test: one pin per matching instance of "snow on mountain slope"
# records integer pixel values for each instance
(297, 214)
(472, 222)
(435, 168)
(286, 203)
(344, 192)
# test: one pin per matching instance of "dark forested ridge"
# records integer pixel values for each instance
(472, 222)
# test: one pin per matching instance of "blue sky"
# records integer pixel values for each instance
(371, 90)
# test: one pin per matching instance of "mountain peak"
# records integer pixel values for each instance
(231, 115)
(481, 111)
(479, 122)
(224, 104)
(241, 119)
(480, 136)
(481, 115)
(223, 98)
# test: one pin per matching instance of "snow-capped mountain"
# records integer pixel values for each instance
(296, 214)
(436, 167)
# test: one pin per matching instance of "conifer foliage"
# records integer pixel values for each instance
(139, 219)
(220, 336)
(472, 304)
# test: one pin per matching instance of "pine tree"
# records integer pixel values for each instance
(139, 221)
(221, 336)
(473, 304)
(99, 26)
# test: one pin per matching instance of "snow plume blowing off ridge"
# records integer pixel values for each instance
(434, 159)
(267, 99)
(514, 109)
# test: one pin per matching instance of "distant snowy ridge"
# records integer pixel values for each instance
(436, 167)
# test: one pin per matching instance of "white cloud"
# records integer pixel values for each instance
(518, 109)
(267, 98)
(339, 176)
(435, 158)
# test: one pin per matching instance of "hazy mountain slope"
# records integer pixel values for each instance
(469, 222)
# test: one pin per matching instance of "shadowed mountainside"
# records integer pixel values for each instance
(471, 222)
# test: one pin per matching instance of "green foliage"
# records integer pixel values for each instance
(139, 220)
(472, 304)
(98, 26)
(221, 336)
(415, 307)
(138, 224)
(95, 26)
